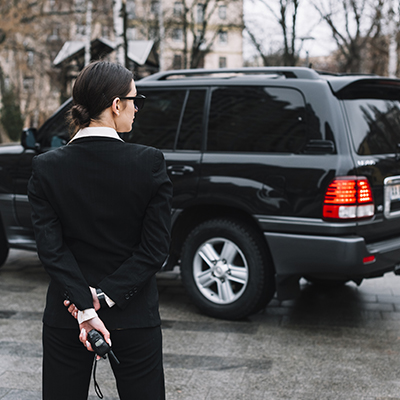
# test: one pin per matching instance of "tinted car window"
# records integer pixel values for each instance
(157, 123)
(55, 131)
(192, 122)
(374, 125)
(257, 119)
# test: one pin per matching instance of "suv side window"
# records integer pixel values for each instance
(192, 122)
(156, 125)
(257, 119)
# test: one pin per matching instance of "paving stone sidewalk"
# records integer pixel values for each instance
(341, 343)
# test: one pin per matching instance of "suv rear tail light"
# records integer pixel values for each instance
(348, 197)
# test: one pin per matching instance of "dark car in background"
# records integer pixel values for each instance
(278, 174)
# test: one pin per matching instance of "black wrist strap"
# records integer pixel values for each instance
(101, 297)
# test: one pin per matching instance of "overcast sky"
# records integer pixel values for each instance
(309, 26)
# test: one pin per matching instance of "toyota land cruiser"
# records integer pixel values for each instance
(278, 174)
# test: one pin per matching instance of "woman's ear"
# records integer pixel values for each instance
(116, 105)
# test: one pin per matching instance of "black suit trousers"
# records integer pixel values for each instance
(67, 365)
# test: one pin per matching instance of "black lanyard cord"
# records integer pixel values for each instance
(96, 385)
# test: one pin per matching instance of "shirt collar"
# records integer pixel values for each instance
(97, 132)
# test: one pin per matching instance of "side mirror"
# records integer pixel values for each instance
(28, 139)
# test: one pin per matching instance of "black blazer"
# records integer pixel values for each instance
(101, 212)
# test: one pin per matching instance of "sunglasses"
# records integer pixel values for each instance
(138, 101)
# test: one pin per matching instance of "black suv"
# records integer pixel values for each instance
(278, 173)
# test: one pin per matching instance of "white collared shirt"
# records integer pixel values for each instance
(96, 132)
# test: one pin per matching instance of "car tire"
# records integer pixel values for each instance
(4, 248)
(225, 270)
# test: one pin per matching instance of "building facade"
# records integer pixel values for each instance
(44, 45)
(195, 33)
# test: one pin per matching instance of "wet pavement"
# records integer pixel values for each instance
(341, 343)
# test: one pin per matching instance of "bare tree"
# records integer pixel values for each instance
(285, 12)
(392, 19)
(198, 31)
(258, 46)
(31, 35)
(199, 25)
(20, 29)
(353, 23)
(119, 22)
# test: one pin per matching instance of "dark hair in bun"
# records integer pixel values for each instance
(80, 116)
(95, 88)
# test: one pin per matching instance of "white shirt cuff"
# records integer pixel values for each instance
(109, 302)
(86, 315)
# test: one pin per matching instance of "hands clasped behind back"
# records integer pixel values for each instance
(88, 325)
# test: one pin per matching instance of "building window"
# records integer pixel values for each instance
(155, 7)
(55, 33)
(177, 35)
(200, 13)
(222, 12)
(131, 9)
(177, 63)
(105, 31)
(222, 62)
(131, 33)
(200, 63)
(30, 58)
(153, 33)
(52, 3)
(223, 37)
(28, 84)
(7, 83)
(178, 9)
(80, 28)
(199, 36)
(80, 6)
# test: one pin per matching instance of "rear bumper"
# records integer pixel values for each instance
(331, 257)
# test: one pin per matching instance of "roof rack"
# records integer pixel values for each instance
(327, 73)
(285, 72)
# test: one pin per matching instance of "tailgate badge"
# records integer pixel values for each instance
(363, 163)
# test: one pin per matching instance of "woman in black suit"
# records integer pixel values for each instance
(101, 215)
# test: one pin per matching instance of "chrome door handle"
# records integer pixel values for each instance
(180, 169)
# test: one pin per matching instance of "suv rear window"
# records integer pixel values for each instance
(374, 125)
(257, 119)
